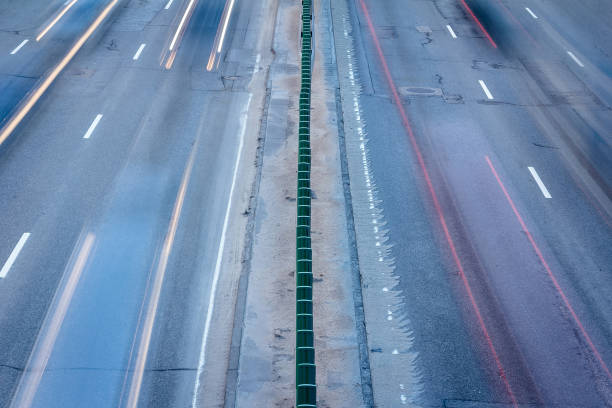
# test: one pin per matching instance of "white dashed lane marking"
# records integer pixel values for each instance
(11, 259)
(92, 127)
(485, 89)
(16, 50)
(539, 182)
(451, 31)
(531, 12)
(137, 55)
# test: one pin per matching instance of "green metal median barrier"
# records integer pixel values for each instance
(305, 370)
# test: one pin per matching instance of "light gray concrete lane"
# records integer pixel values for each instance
(456, 125)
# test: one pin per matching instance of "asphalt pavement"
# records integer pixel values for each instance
(117, 190)
(477, 139)
(486, 161)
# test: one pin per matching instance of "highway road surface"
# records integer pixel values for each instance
(124, 130)
(477, 139)
(479, 142)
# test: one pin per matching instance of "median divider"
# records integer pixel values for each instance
(305, 370)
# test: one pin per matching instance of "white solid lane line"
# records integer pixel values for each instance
(168, 4)
(485, 89)
(531, 12)
(92, 127)
(24, 42)
(450, 30)
(11, 259)
(576, 60)
(137, 55)
(538, 180)
(220, 250)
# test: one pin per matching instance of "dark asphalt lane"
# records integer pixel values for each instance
(121, 186)
(547, 112)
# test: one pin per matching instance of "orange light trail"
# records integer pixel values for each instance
(46, 83)
(158, 280)
(24, 397)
